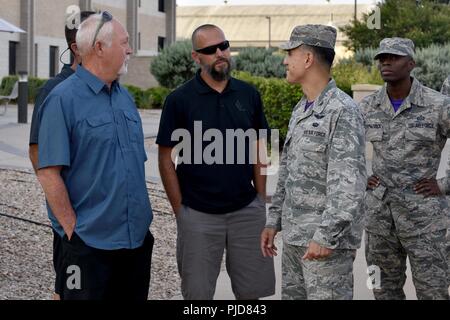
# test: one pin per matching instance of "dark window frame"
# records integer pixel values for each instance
(53, 61)
(161, 43)
(12, 60)
(161, 6)
(139, 41)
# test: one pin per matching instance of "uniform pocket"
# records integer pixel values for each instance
(377, 217)
(419, 132)
(134, 127)
(318, 145)
(374, 131)
(100, 128)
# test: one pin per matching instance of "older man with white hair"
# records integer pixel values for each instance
(91, 167)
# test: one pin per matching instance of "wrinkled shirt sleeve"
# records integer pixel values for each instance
(346, 180)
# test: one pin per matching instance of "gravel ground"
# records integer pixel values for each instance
(26, 270)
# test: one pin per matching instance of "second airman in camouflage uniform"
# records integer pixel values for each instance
(319, 198)
(406, 211)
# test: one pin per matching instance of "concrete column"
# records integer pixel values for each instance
(25, 49)
(360, 91)
(86, 5)
(171, 7)
(132, 23)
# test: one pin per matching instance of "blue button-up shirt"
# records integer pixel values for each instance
(96, 135)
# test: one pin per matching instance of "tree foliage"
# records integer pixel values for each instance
(425, 22)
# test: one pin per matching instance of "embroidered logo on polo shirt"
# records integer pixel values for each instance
(420, 118)
(315, 124)
(239, 106)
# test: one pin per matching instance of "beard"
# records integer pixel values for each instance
(219, 74)
(124, 69)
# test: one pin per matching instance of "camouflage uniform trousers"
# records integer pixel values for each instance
(426, 251)
(324, 279)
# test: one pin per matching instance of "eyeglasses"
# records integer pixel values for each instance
(106, 17)
(212, 49)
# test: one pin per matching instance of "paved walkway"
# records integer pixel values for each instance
(14, 154)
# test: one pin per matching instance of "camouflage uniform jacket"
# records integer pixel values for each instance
(446, 87)
(322, 176)
(407, 147)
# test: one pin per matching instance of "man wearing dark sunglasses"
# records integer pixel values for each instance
(91, 167)
(220, 205)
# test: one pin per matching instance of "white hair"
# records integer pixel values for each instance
(87, 30)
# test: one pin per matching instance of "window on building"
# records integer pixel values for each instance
(161, 6)
(36, 55)
(13, 57)
(53, 61)
(161, 41)
(139, 41)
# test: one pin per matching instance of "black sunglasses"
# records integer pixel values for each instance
(106, 17)
(212, 49)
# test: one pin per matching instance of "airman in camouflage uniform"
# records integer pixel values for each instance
(319, 199)
(406, 211)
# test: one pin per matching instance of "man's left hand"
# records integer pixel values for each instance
(427, 187)
(316, 251)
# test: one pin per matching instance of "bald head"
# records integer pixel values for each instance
(201, 34)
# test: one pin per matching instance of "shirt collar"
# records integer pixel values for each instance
(202, 87)
(416, 95)
(324, 97)
(67, 70)
(92, 81)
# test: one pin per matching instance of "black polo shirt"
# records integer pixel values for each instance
(213, 187)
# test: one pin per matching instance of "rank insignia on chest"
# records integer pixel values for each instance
(315, 124)
(420, 118)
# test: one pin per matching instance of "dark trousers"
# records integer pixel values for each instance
(92, 274)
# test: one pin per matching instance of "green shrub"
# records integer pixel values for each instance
(7, 85)
(152, 98)
(260, 62)
(350, 72)
(279, 99)
(365, 56)
(142, 101)
(433, 65)
(34, 84)
(174, 66)
(157, 96)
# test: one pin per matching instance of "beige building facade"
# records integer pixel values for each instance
(266, 25)
(40, 51)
